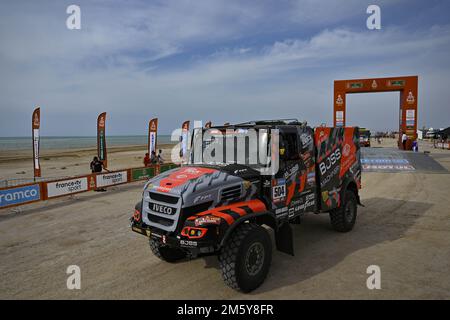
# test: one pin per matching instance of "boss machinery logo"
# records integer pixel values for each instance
(19, 195)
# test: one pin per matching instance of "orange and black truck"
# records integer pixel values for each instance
(241, 180)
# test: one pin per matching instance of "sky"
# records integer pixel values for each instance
(225, 61)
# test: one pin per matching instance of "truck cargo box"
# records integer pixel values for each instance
(338, 162)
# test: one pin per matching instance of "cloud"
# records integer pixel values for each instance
(219, 60)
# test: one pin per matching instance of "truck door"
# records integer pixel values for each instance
(286, 181)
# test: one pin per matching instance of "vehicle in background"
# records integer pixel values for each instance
(364, 137)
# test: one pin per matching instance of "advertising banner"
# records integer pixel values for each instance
(35, 126)
(142, 173)
(168, 166)
(64, 187)
(19, 195)
(101, 139)
(152, 135)
(111, 179)
(184, 140)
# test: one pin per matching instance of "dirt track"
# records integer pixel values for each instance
(404, 228)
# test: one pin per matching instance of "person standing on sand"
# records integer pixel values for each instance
(153, 157)
(97, 167)
(160, 158)
(404, 139)
(147, 160)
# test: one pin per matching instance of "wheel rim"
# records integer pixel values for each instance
(254, 258)
(349, 212)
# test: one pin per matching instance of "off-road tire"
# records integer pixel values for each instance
(235, 257)
(166, 253)
(341, 219)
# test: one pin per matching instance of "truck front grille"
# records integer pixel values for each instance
(161, 210)
(163, 197)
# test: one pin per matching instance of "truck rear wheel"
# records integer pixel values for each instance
(343, 218)
(166, 253)
(245, 258)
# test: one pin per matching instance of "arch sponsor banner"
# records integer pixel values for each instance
(65, 187)
(111, 179)
(19, 195)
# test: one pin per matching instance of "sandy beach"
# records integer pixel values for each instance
(71, 162)
(404, 228)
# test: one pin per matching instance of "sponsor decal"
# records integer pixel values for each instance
(396, 83)
(19, 195)
(63, 187)
(330, 161)
(159, 208)
(188, 243)
(307, 139)
(281, 211)
(374, 84)
(110, 179)
(202, 198)
(355, 85)
(279, 190)
(410, 99)
(291, 171)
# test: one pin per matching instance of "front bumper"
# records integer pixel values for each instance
(194, 247)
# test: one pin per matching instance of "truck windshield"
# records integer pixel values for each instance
(247, 146)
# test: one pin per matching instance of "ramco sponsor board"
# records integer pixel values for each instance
(110, 179)
(63, 187)
(19, 195)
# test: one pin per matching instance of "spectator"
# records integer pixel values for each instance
(97, 167)
(147, 160)
(404, 139)
(160, 158)
(153, 157)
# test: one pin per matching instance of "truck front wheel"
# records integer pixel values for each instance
(166, 253)
(343, 218)
(245, 258)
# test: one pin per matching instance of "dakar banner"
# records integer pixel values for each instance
(152, 135)
(101, 139)
(184, 139)
(35, 125)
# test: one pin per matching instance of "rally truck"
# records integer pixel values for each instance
(230, 208)
(364, 137)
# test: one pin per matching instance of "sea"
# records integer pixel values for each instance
(55, 143)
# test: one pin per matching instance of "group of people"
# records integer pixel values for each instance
(153, 159)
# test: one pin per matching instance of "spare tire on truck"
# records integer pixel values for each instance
(246, 256)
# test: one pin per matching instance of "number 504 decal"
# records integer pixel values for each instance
(279, 191)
